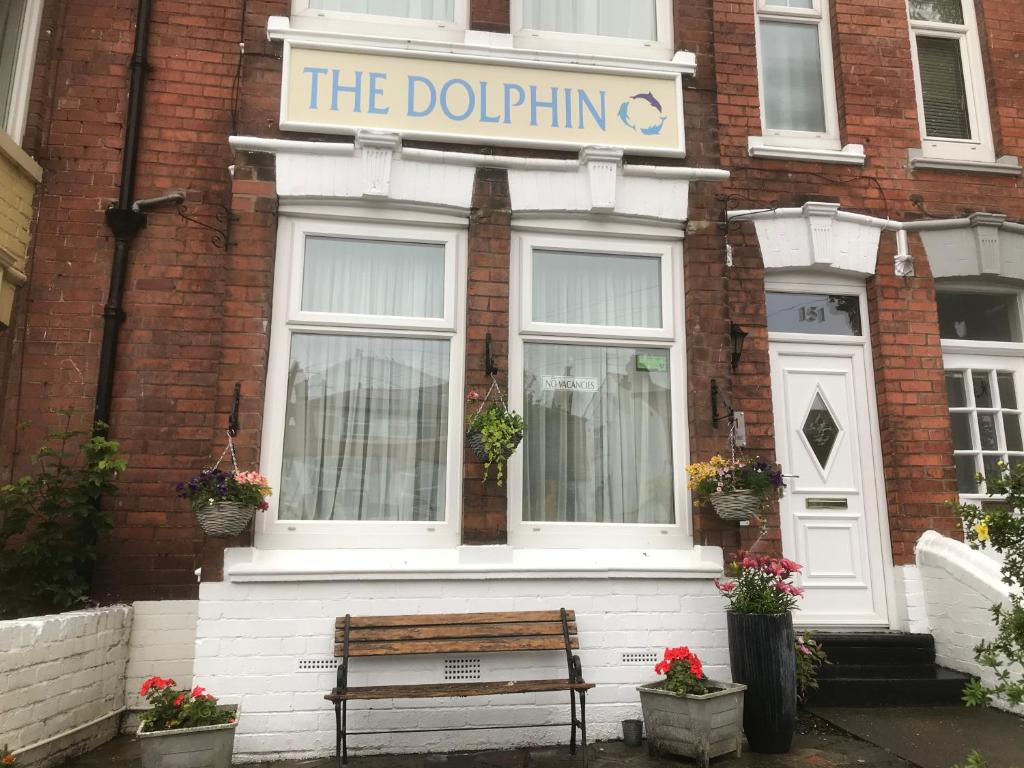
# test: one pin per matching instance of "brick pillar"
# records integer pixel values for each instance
(489, 15)
(913, 414)
(485, 505)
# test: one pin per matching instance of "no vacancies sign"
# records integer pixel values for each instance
(471, 98)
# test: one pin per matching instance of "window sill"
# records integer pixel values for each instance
(1007, 165)
(469, 563)
(19, 158)
(851, 154)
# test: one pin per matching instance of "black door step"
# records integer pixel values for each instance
(944, 689)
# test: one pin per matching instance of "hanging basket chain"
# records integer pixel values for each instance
(229, 448)
(493, 388)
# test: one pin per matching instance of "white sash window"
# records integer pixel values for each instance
(19, 30)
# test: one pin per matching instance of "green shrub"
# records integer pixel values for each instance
(51, 523)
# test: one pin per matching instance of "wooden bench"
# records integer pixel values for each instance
(450, 634)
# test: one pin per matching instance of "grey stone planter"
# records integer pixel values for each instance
(701, 727)
(207, 747)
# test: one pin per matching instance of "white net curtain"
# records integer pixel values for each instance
(635, 19)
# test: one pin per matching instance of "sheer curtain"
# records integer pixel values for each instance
(601, 453)
(373, 277)
(366, 429)
(791, 67)
(436, 10)
(596, 289)
(635, 19)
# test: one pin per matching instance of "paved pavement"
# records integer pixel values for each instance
(817, 745)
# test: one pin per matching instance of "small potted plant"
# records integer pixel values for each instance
(187, 729)
(737, 488)
(493, 434)
(225, 502)
(761, 646)
(687, 714)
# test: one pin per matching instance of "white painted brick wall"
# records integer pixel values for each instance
(250, 637)
(960, 586)
(163, 642)
(913, 612)
(57, 674)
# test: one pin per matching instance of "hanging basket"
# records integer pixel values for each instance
(476, 444)
(736, 505)
(224, 519)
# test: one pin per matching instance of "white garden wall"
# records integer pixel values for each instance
(163, 642)
(960, 587)
(252, 636)
(62, 682)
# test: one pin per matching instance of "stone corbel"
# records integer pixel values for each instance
(602, 164)
(986, 232)
(378, 150)
(820, 217)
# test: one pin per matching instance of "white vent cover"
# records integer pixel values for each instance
(314, 664)
(639, 657)
(462, 669)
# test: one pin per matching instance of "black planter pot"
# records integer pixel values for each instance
(761, 654)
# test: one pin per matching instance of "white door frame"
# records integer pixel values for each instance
(831, 283)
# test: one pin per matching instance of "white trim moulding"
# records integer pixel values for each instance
(759, 148)
(1007, 165)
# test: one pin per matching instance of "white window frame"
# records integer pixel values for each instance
(289, 319)
(960, 354)
(522, 331)
(818, 15)
(980, 147)
(21, 90)
(542, 39)
(376, 25)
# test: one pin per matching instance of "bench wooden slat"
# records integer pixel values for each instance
(528, 629)
(469, 645)
(454, 690)
(429, 620)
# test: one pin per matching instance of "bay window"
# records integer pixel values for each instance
(598, 366)
(950, 79)
(642, 28)
(363, 428)
(984, 362)
(794, 55)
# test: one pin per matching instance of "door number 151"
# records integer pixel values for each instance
(812, 314)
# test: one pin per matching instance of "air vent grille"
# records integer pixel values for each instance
(313, 664)
(462, 669)
(639, 657)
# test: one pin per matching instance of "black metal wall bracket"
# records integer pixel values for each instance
(489, 363)
(233, 426)
(716, 399)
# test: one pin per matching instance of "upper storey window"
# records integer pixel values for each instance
(794, 53)
(19, 28)
(426, 19)
(639, 28)
(950, 78)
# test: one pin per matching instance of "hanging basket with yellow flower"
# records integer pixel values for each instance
(737, 488)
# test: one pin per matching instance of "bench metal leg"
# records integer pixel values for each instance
(337, 731)
(344, 732)
(583, 725)
(575, 722)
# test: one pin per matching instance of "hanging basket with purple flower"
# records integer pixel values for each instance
(225, 501)
(737, 488)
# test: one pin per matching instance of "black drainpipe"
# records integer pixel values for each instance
(124, 220)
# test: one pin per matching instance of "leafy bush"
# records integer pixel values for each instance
(974, 760)
(810, 657)
(51, 523)
(1001, 527)
(172, 708)
(761, 585)
(500, 430)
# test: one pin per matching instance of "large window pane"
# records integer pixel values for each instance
(978, 316)
(636, 19)
(366, 429)
(943, 92)
(599, 435)
(946, 11)
(966, 474)
(436, 10)
(791, 69)
(12, 14)
(373, 277)
(816, 313)
(596, 289)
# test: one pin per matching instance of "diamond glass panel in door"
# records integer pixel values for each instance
(596, 289)
(599, 435)
(821, 430)
(978, 316)
(434, 10)
(635, 19)
(366, 429)
(791, 77)
(373, 277)
(815, 313)
(986, 422)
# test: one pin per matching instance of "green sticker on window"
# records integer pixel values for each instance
(653, 363)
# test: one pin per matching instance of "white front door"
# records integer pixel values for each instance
(833, 509)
